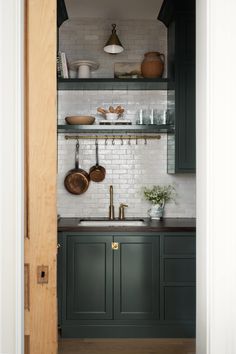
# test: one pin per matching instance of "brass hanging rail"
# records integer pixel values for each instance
(113, 137)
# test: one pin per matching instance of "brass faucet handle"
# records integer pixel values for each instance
(123, 205)
(122, 211)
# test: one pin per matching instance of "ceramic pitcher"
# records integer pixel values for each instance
(153, 65)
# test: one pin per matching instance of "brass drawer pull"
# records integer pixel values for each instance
(115, 246)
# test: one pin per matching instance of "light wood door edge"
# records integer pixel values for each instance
(40, 181)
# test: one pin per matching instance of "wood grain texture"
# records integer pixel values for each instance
(27, 344)
(127, 346)
(26, 287)
(40, 77)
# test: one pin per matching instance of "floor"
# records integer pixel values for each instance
(126, 346)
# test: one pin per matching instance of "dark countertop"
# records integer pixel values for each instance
(165, 225)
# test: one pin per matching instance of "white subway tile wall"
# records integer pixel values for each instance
(82, 38)
(129, 167)
(87, 102)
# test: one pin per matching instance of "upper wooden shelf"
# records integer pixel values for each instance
(112, 84)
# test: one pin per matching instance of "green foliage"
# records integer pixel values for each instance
(159, 194)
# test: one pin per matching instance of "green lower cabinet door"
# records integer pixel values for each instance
(89, 278)
(136, 278)
(180, 302)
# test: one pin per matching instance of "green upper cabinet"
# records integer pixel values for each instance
(179, 17)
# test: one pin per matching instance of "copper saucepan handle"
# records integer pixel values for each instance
(97, 161)
(77, 156)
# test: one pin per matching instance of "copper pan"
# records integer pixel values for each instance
(77, 180)
(97, 173)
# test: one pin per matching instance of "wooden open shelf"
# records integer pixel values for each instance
(125, 129)
(112, 84)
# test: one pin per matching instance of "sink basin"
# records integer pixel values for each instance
(113, 223)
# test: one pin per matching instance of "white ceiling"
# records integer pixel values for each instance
(117, 9)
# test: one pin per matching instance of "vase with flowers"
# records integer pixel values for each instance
(158, 196)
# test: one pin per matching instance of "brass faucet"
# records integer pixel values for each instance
(111, 207)
(122, 211)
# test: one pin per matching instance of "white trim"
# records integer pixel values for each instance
(11, 177)
(216, 148)
(216, 177)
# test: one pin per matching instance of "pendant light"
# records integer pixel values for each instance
(113, 45)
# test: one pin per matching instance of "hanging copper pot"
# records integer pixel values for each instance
(77, 180)
(97, 173)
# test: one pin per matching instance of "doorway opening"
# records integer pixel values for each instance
(144, 127)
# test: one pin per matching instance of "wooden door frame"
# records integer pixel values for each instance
(213, 252)
(11, 176)
(41, 173)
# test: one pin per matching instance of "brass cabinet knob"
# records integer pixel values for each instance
(115, 246)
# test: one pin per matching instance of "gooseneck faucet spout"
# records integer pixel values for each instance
(111, 207)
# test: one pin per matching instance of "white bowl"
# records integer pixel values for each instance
(112, 116)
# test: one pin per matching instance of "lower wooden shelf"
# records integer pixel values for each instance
(127, 129)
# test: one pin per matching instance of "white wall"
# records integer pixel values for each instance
(11, 177)
(216, 146)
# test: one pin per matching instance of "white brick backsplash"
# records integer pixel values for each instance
(87, 102)
(82, 38)
(129, 168)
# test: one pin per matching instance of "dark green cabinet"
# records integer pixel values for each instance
(178, 277)
(136, 278)
(145, 287)
(179, 17)
(89, 278)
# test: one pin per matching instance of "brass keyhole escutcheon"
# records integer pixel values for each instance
(115, 246)
(42, 274)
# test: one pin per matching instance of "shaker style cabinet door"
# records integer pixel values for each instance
(136, 278)
(89, 278)
(178, 279)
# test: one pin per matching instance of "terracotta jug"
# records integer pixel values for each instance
(153, 65)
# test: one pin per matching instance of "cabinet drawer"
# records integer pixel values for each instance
(179, 270)
(180, 245)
